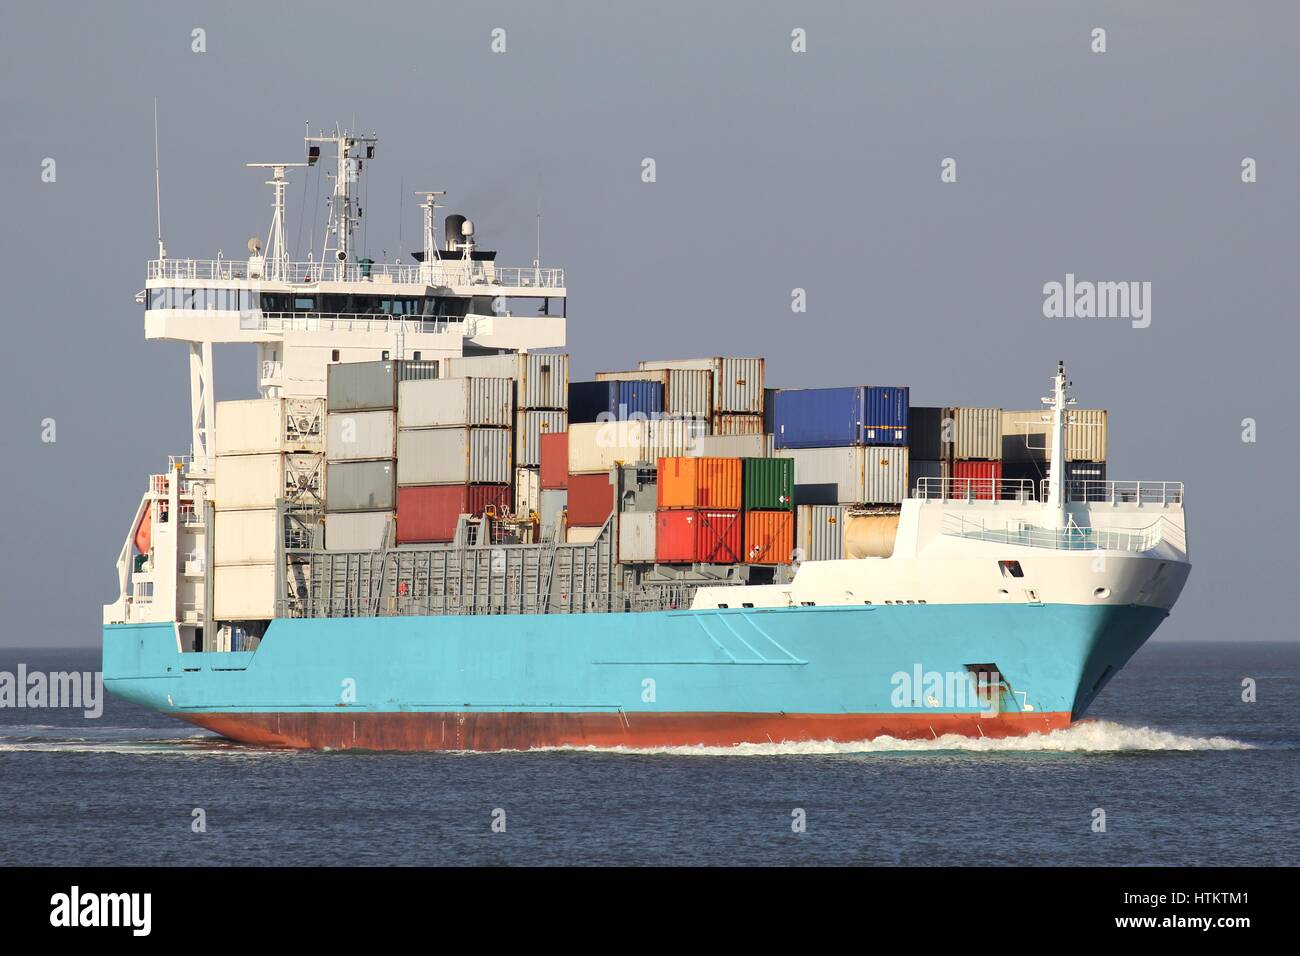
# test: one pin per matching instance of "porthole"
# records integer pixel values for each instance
(1101, 593)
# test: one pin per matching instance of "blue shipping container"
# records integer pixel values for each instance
(619, 400)
(836, 417)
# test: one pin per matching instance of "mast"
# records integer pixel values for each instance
(1059, 402)
(430, 244)
(275, 247)
(350, 153)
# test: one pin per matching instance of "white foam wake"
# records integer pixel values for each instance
(1090, 736)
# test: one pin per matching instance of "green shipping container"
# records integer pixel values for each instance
(769, 484)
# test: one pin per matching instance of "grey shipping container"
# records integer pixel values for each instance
(541, 378)
(438, 403)
(636, 537)
(361, 386)
(848, 475)
(737, 382)
(360, 486)
(554, 501)
(731, 446)
(530, 425)
(819, 532)
(357, 530)
(637, 488)
(449, 456)
(357, 436)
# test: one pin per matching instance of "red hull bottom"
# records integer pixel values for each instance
(411, 731)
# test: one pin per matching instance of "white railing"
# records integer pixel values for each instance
(353, 322)
(1121, 492)
(1060, 539)
(975, 489)
(449, 272)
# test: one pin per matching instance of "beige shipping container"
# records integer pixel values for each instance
(250, 482)
(356, 530)
(361, 436)
(541, 378)
(596, 447)
(243, 592)
(582, 535)
(244, 537)
(270, 425)
(737, 382)
(733, 446)
(729, 424)
(636, 537)
(977, 433)
(528, 491)
(530, 425)
(438, 403)
(1026, 435)
(451, 456)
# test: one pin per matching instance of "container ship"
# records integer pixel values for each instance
(422, 534)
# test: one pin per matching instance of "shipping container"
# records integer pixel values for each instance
(244, 592)
(700, 483)
(270, 426)
(250, 482)
(637, 488)
(453, 456)
(838, 417)
(430, 513)
(554, 501)
(737, 382)
(977, 433)
(687, 392)
(361, 386)
(528, 491)
(456, 402)
(530, 425)
(361, 436)
(769, 483)
(1075, 471)
(554, 460)
(598, 446)
(769, 537)
(541, 378)
(636, 537)
(591, 499)
(854, 475)
(615, 400)
(1026, 435)
(733, 446)
(706, 536)
(728, 423)
(929, 433)
(919, 468)
(979, 480)
(581, 535)
(245, 537)
(820, 532)
(360, 486)
(414, 370)
(357, 530)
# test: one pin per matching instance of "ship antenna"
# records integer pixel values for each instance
(157, 182)
(1059, 402)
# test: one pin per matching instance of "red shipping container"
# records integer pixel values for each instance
(591, 499)
(980, 480)
(429, 513)
(555, 460)
(706, 535)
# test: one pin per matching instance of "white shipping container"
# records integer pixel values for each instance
(733, 446)
(819, 532)
(243, 482)
(596, 447)
(244, 537)
(582, 535)
(528, 491)
(530, 425)
(737, 382)
(1027, 437)
(356, 530)
(361, 436)
(848, 475)
(269, 425)
(243, 592)
(977, 433)
(636, 537)
(541, 378)
(450, 456)
(438, 403)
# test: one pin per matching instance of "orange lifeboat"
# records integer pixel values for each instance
(143, 538)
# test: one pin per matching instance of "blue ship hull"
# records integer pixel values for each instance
(716, 677)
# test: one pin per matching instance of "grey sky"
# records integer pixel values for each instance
(775, 170)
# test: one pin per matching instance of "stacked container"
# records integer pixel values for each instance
(699, 510)
(1027, 447)
(602, 401)
(687, 392)
(598, 446)
(769, 510)
(976, 452)
(361, 454)
(554, 479)
(453, 454)
(737, 395)
(266, 450)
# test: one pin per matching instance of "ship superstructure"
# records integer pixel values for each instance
(372, 555)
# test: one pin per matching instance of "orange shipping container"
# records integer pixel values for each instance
(700, 483)
(769, 537)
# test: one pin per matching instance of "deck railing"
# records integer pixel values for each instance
(1060, 539)
(448, 272)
